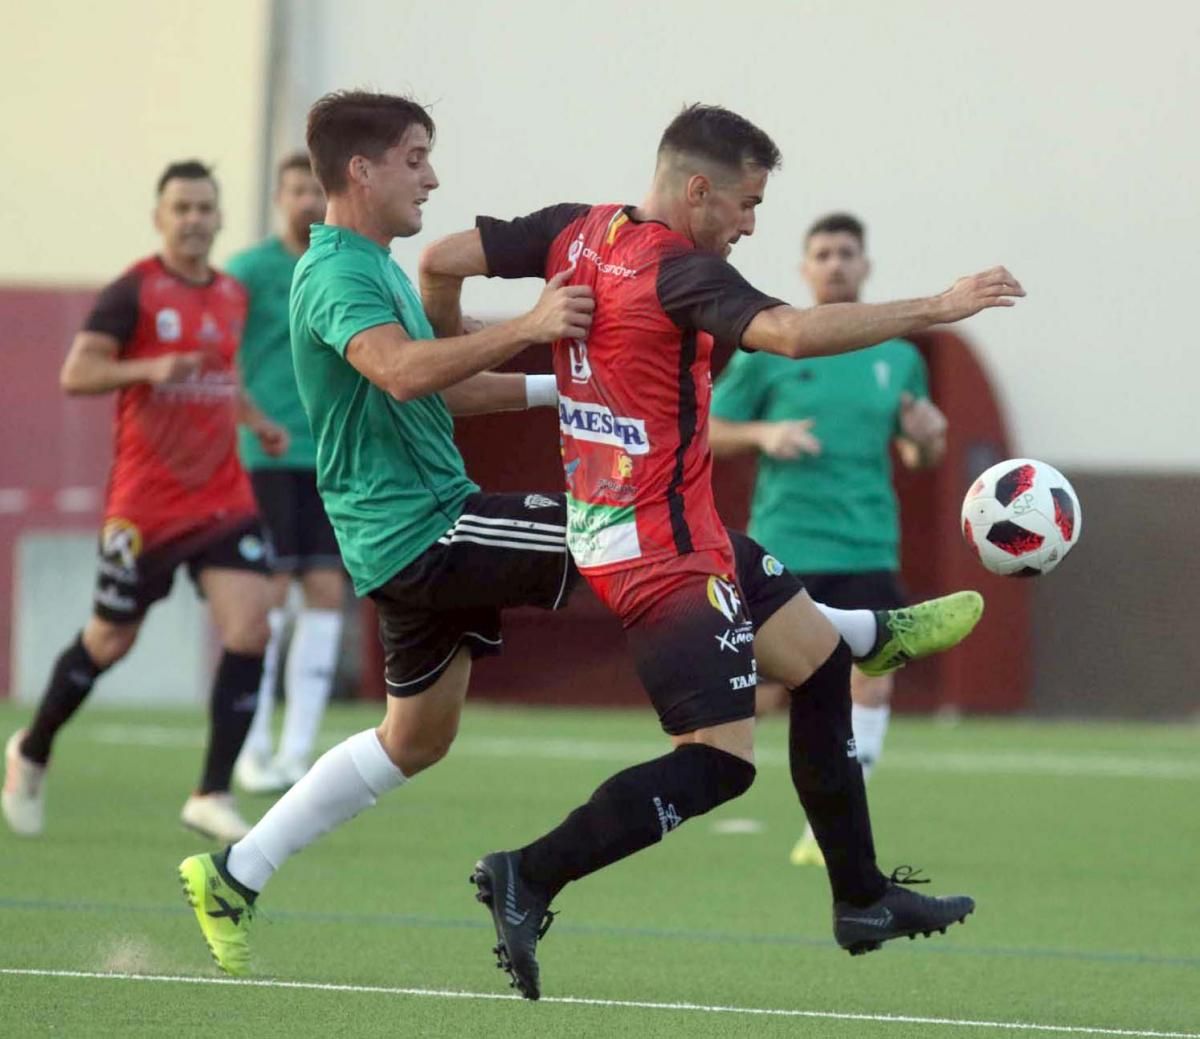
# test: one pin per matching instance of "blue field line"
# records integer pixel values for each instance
(609, 931)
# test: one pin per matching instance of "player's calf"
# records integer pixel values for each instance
(628, 812)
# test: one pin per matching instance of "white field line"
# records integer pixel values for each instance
(982, 762)
(621, 1004)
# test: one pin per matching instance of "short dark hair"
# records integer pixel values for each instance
(721, 136)
(838, 223)
(357, 122)
(187, 169)
(297, 160)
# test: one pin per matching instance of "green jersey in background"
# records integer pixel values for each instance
(389, 473)
(835, 512)
(265, 356)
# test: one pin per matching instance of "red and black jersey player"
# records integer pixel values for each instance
(163, 336)
(703, 611)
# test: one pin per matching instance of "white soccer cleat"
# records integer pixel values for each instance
(24, 797)
(215, 816)
(258, 775)
(290, 770)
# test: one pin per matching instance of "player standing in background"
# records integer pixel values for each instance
(701, 611)
(164, 335)
(823, 497)
(303, 544)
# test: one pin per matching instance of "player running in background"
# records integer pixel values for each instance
(823, 498)
(702, 613)
(163, 336)
(440, 559)
(304, 548)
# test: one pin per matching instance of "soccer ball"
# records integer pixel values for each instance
(1021, 518)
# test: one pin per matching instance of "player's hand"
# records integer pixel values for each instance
(920, 420)
(970, 295)
(790, 439)
(272, 437)
(563, 311)
(175, 367)
(471, 325)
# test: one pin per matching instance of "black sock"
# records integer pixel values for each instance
(231, 710)
(829, 780)
(632, 810)
(221, 861)
(71, 680)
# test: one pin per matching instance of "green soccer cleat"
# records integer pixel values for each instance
(806, 852)
(913, 632)
(224, 914)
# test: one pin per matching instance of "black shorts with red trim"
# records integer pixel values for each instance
(129, 582)
(302, 537)
(866, 590)
(691, 631)
(504, 550)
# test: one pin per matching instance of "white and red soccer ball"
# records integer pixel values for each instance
(1021, 518)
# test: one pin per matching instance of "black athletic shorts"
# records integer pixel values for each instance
(693, 647)
(129, 582)
(301, 535)
(868, 590)
(504, 550)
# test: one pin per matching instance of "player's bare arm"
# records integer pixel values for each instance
(273, 437)
(792, 438)
(94, 365)
(487, 392)
(410, 368)
(922, 443)
(836, 328)
(443, 266)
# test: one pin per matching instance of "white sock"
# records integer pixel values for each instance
(309, 679)
(857, 627)
(344, 781)
(870, 727)
(258, 739)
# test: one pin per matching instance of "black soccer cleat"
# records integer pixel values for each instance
(520, 913)
(897, 913)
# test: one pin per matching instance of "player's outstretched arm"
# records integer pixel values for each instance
(410, 368)
(94, 365)
(488, 392)
(443, 266)
(836, 328)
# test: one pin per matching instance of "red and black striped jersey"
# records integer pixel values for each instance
(634, 395)
(175, 466)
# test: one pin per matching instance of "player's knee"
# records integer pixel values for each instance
(323, 589)
(871, 692)
(720, 776)
(107, 643)
(414, 752)
(249, 637)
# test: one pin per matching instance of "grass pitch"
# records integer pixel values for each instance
(1080, 843)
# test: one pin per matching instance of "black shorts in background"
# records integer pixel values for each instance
(129, 582)
(867, 590)
(504, 550)
(302, 537)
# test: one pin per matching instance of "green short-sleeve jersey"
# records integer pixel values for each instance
(835, 512)
(389, 474)
(265, 356)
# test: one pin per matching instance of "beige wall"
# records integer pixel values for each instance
(1057, 136)
(97, 98)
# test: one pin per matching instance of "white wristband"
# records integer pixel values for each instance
(541, 391)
